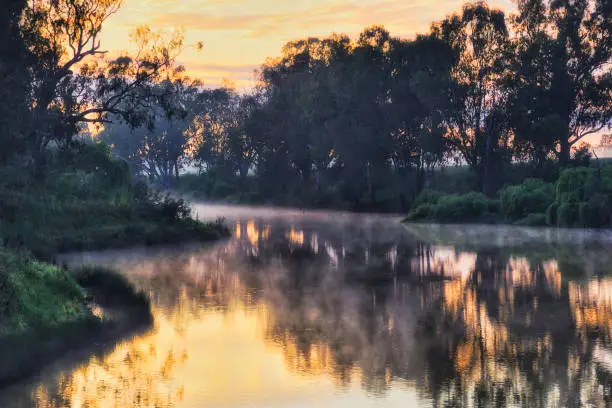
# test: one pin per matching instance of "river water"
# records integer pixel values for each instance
(317, 309)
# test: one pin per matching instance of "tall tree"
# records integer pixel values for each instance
(476, 126)
(14, 80)
(75, 84)
(564, 72)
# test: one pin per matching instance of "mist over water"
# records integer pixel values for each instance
(314, 308)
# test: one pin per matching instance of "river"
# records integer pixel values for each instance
(317, 309)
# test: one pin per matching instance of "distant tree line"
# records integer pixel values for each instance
(360, 123)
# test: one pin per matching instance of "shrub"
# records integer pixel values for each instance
(594, 213)
(460, 208)
(551, 214)
(576, 185)
(567, 214)
(533, 220)
(430, 197)
(531, 197)
(165, 207)
(422, 212)
(35, 294)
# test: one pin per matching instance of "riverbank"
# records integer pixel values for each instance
(83, 200)
(47, 311)
(580, 198)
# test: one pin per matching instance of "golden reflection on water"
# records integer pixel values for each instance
(268, 330)
(592, 305)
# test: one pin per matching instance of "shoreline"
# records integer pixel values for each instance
(26, 353)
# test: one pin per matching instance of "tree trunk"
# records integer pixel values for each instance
(564, 155)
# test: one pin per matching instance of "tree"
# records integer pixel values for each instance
(476, 126)
(14, 81)
(420, 95)
(159, 151)
(74, 84)
(563, 73)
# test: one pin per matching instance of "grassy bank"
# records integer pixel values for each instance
(45, 311)
(580, 198)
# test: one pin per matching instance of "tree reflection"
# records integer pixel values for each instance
(491, 327)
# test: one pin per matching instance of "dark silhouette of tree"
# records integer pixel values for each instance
(14, 81)
(74, 84)
(476, 124)
(563, 73)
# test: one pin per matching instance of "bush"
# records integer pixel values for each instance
(165, 207)
(576, 185)
(551, 214)
(531, 197)
(430, 197)
(34, 294)
(533, 220)
(422, 212)
(594, 213)
(460, 208)
(567, 215)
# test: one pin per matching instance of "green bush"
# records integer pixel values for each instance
(567, 214)
(576, 185)
(606, 178)
(460, 208)
(551, 214)
(422, 212)
(430, 197)
(594, 213)
(533, 220)
(531, 197)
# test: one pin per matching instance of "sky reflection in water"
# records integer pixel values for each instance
(329, 309)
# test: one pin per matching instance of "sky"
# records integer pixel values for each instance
(239, 35)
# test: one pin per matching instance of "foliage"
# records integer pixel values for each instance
(460, 208)
(531, 197)
(533, 220)
(567, 214)
(551, 214)
(595, 212)
(80, 206)
(34, 294)
(453, 208)
(576, 185)
(476, 121)
(427, 197)
(562, 55)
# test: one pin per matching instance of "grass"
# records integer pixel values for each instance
(45, 311)
(34, 294)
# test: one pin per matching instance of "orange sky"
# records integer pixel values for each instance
(240, 34)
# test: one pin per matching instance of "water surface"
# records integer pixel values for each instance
(303, 309)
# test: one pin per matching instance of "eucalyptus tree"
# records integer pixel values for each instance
(563, 87)
(74, 81)
(477, 126)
